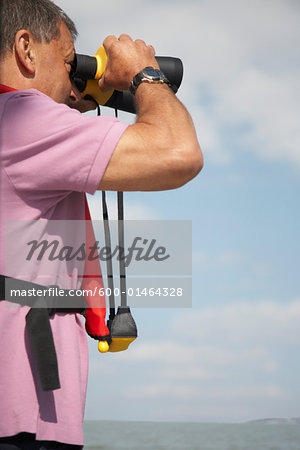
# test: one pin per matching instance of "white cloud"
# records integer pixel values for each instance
(224, 362)
(201, 259)
(189, 392)
(241, 66)
(197, 357)
(244, 324)
(268, 105)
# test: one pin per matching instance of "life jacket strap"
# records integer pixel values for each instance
(38, 325)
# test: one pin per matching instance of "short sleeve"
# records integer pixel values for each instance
(48, 146)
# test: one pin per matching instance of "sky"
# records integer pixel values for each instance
(232, 357)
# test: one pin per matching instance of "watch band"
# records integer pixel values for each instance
(148, 75)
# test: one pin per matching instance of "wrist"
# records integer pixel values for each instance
(154, 99)
(149, 75)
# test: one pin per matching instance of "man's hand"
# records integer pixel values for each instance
(125, 58)
(76, 102)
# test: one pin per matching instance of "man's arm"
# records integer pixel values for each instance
(160, 151)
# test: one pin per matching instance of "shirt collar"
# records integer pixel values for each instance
(4, 89)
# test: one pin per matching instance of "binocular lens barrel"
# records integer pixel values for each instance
(172, 68)
(85, 67)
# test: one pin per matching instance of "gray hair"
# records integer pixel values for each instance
(41, 17)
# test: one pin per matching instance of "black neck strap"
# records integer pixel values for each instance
(109, 266)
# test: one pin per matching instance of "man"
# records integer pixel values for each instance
(50, 156)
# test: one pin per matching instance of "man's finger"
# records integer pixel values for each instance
(108, 41)
(125, 37)
(152, 49)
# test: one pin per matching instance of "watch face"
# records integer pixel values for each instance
(152, 73)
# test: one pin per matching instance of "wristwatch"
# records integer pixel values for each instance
(149, 75)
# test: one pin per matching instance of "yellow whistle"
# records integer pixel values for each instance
(103, 346)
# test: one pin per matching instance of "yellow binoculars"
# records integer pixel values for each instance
(87, 70)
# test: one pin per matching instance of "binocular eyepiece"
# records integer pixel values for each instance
(86, 70)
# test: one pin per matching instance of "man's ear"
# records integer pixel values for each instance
(25, 52)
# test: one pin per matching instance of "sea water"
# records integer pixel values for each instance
(109, 435)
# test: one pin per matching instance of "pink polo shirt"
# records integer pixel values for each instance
(49, 156)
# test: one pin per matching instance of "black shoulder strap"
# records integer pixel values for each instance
(38, 329)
